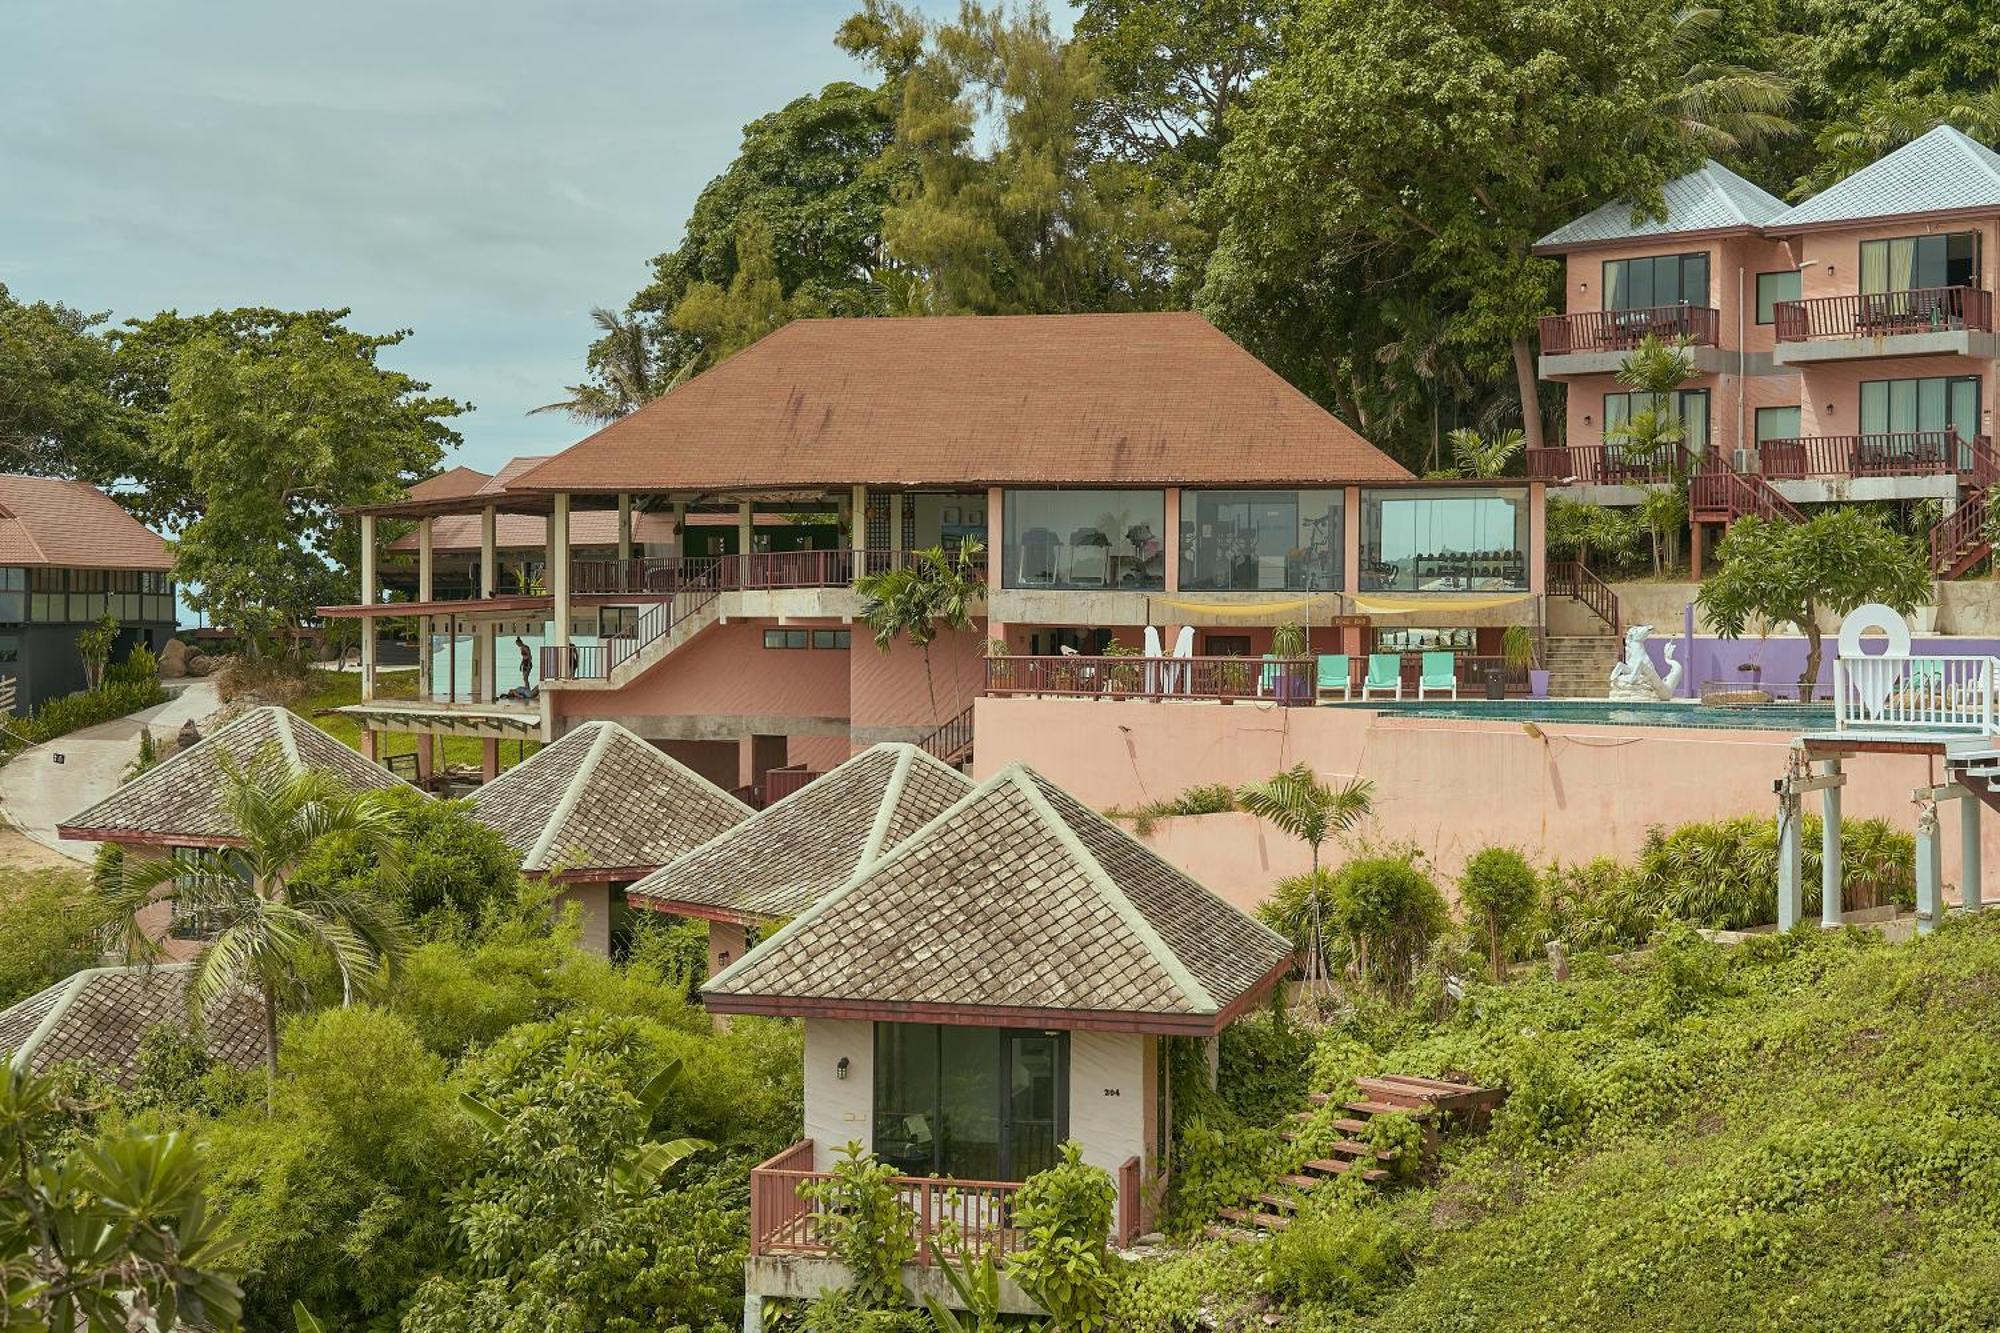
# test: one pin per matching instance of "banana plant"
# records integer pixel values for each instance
(975, 1280)
(639, 1167)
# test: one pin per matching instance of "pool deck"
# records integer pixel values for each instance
(1674, 713)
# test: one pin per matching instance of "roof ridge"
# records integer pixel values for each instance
(885, 808)
(1128, 912)
(624, 735)
(572, 792)
(287, 742)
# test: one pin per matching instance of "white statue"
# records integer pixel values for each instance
(1636, 679)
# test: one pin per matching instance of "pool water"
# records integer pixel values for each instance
(1611, 713)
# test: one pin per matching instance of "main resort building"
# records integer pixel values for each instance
(1136, 484)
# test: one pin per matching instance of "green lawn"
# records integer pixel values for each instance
(332, 689)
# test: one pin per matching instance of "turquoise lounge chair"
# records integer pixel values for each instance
(1385, 674)
(1336, 672)
(1439, 674)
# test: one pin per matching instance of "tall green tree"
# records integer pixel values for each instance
(262, 426)
(625, 377)
(1427, 145)
(60, 415)
(275, 931)
(1778, 572)
(728, 318)
(1312, 811)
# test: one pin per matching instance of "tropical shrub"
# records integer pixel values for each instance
(862, 1220)
(49, 922)
(1346, 1259)
(1390, 913)
(1498, 889)
(1064, 1215)
(1213, 799)
(85, 708)
(452, 871)
(141, 666)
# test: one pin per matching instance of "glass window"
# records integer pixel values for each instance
(1920, 406)
(1465, 538)
(967, 1102)
(946, 520)
(615, 621)
(832, 638)
(1785, 285)
(1253, 540)
(1225, 645)
(1914, 263)
(1777, 423)
(784, 638)
(1085, 539)
(1658, 280)
(1690, 405)
(1448, 640)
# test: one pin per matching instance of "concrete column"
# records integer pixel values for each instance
(559, 570)
(426, 590)
(489, 542)
(624, 526)
(1930, 871)
(368, 744)
(1971, 870)
(680, 527)
(1538, 537)
(489, 759)
(746, 526)
(1170, 549)
(1829, 851)
(727, 942)
(368, 636)
(426, 759)
(1350, 543)
(859, 531)
(1791, 862)
(753, 1313)
(996, 558)
(746, 760)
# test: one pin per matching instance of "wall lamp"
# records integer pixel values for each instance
(840, 1069)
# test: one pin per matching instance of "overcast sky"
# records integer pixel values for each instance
(479, 171)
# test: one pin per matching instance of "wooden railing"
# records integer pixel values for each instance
(1884, 314)
(1131, 1202)
(1283, 680)
(952, 741)
(953, 1217)
(655, 621)
(1958, 540)
(662, 575)
(1601, 465)
(782, 782)
(1928, 453)
(1572, 578)
(1717, 492)
(1622, 330)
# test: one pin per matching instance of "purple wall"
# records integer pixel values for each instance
(1780, 661)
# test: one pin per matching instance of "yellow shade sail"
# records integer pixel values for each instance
(1398, 606)
(1242, 608)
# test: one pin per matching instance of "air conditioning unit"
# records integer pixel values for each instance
(1743, 460)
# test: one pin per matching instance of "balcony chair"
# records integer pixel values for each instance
(1267, 677)
(1385, 674)
(1336, 672)
(1439, 674)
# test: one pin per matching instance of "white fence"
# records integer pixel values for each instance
(1915, 693)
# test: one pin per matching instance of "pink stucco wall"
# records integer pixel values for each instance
(726, 671)
(887, 693)
(1832, 259)
(1832, 392)
(1451, 787)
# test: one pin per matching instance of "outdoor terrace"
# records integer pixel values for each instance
(1290, 681)
(1622, 330)
(1920, 321)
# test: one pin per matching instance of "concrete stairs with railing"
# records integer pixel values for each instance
(1580, 665)
(1958, 542)
(1434, 1104)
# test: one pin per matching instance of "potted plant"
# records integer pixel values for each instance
(1517, 646)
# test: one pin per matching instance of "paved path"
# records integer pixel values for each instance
(37, 793)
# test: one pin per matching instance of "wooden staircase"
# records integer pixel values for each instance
(1718, 493)
(1432, 1103)
(1958, 541)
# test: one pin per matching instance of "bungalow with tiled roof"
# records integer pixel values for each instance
(600, 809)
(1122, 472)
(1001, 981)
(70, 555)
(786, 857)
(99, 1017)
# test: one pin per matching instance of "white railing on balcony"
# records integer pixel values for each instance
(1916, 692)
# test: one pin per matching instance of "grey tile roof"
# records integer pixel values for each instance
(1941, 171)
(602, 798)
(1019, 896)
(783, 859)
(184, 796)
(99, 1016)
(1709, 198)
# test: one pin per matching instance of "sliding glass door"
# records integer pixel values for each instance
(1918, 263)
(969, 1103)
(1920, 418)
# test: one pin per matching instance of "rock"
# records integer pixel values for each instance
(200, 664)
(189, 735)
(173, 659)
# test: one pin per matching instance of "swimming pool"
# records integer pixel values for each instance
(1612, 713)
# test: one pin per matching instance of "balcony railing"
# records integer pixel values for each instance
(1602, 465)
(690, 597)
(1622, 330)
(1884, 314)
(782, 782)
(1914, 693)
(1928, 453)
(663, 575)
(1281, 680)
(954, 1218)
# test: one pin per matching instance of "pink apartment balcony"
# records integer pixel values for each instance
(1930, 453)
(1622, 330)
(1605, 465)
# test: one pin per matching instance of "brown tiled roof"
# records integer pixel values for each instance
(1144, 399)
(530, 532)
(602, 799)
(1022, 900)
(450, 484)
(99, 1016)
(784, 858)
(180, 802)
(67, 524)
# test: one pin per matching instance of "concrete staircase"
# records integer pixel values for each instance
(1580, 664)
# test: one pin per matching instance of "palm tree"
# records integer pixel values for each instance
(1481, 456)
(1726, 108)
(272, 931)
(1312, 811)
(623, 362)
(933, 592)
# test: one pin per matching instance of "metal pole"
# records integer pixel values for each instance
(1970, 858)
(1791, 867)
(1829, 851)
(1929, 879)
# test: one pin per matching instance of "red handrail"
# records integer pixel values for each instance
(1599, 465)
(1622, 330)
(1572, 578)
(654, 622)
(1888, 454)
(952, 741)
(1884, 314)
(953, 1217)
(1131, 1201)
(1718, 492)
(1292, 680)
